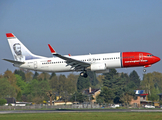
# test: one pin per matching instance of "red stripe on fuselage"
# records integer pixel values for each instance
(135, 59)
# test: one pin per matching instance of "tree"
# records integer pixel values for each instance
(35, 75)
(49, 94)
(36, 91)
(100, 82)
(92, 78)
(152, 84)
(21, 73)
(43, 76)
(53, 82)
(153, 96)
(109, 79)
(117, 85)
(22, 85)
(82, 83)
(100, 99)
(3, 102)
(10, 77)
(12, 80)
(59, 85)
(52, 75)
(107, 95)
(72, 83)
(127, 97)
(78, 97)
(7, 90)
(20, 82)
(28, 76)
(18, 98)
(135, 78)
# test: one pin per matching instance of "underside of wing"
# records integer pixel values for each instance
(76, 64)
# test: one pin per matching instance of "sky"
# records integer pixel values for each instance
(81, 27)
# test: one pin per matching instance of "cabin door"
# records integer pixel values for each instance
(140, 56)
(35, 64)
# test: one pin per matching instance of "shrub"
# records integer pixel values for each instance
(3, 101)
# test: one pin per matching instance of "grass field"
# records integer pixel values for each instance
(83, 116)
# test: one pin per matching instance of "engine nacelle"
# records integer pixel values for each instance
(98, 67)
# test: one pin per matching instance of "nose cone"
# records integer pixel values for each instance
(157, 59)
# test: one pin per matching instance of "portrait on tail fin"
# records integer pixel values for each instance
(18, 53)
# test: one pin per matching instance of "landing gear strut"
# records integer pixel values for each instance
(84, 74)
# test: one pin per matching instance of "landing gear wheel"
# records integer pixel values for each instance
(144, 70)
(84, 74)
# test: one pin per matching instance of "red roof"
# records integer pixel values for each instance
(143, 94)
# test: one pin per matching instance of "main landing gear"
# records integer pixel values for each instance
(84, 74)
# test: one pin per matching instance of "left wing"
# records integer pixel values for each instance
(76, 64)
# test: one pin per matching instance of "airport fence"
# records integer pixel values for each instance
(40, 106)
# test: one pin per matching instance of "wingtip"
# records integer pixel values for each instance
(51, 49)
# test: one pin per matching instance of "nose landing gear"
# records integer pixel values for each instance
(144, 70)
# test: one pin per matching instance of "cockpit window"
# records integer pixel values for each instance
(149, 55)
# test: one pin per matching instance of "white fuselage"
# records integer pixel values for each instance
(55, 64)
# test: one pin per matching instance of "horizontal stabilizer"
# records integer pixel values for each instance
(13, 61)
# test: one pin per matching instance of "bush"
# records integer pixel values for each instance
(160, 102)
(3, 102)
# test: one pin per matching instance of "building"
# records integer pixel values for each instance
(10, 101)
(92, 92)
(160, 96)
(141, 99)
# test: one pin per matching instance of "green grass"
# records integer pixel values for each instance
(83, 116)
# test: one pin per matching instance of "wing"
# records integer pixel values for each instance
(13, 61)
(76, 64)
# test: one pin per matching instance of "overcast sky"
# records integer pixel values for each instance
(82, 27)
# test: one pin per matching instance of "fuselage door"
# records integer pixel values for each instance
(141, 56)
(35, 64)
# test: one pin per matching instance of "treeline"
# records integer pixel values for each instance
(120, 87)
(115, 87)
(26, 86)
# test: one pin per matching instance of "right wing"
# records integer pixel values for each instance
(13, 61)
(76, 64)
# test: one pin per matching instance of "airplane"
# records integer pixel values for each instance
(100, 63)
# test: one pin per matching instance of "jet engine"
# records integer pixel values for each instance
(98, 67)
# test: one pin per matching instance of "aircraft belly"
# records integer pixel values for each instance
(55, 68)
(60, 68)
(25, 66)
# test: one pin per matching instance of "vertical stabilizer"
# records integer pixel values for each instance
(19, 51)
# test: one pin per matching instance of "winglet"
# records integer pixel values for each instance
(9, 35)
(51, 49)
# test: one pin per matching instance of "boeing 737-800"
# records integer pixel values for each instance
(100, 63)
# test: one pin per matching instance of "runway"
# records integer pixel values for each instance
(80, 110)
